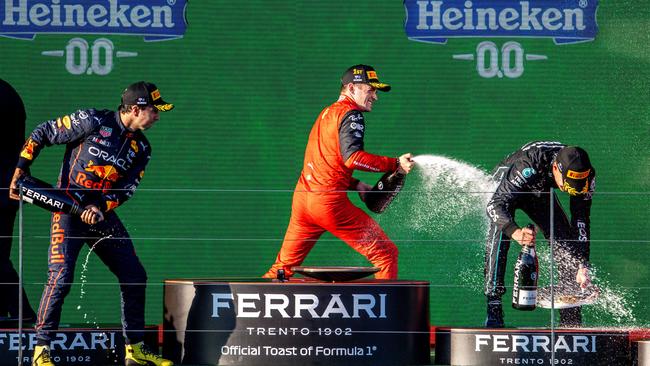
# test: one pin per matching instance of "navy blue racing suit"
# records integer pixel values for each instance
(102, 165)
(525, 179)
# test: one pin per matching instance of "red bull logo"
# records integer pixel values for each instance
(104, 172)
(134, 146)
(83, 180)
(57, 237)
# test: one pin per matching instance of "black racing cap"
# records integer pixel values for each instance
(575, 166)
(363, 74)
(143, 93)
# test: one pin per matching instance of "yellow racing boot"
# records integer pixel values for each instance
(140, 354)
(42, 356)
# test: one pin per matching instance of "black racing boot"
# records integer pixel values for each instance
(494, 313)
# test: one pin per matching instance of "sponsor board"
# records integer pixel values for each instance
(72, 346)
(297, 323)
(436, 21)
(485, 347)
(153, 20)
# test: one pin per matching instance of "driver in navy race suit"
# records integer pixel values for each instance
(105, 157)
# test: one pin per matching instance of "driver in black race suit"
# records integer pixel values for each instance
(105, 156)
(525, 179)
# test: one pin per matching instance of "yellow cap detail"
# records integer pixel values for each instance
(574, 192)
(380, 86)
(164, 107)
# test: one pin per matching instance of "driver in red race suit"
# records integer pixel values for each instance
(320, 201)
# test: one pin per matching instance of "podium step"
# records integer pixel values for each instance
(72, 345)
(534, 346)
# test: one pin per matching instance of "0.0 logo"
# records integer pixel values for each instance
(492, 63)
(82, 58)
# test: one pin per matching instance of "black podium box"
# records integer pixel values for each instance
(487, 347)
(299, 322)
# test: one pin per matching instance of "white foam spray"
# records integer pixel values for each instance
(443, 207)
(445, 202)
(614, 303)
(614, 306)
(449, 192)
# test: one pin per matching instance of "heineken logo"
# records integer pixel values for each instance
(152, 19)
(564, 21)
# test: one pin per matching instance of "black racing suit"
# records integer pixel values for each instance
(103, 165)
(525, 179)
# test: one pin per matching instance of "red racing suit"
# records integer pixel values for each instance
(320, 200)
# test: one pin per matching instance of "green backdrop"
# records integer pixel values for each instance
(249, 77)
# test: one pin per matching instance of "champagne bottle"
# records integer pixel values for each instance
(41, 194)
(524, 291)
(384, 191)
